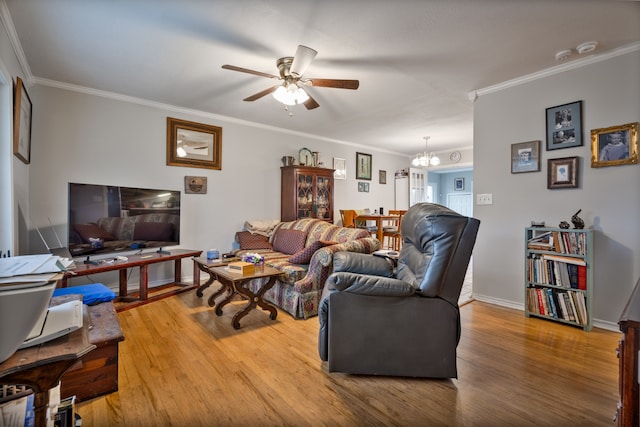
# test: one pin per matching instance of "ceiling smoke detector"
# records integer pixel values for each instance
(587, 47)
(563, 54)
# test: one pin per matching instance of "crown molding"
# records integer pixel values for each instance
(555, 70)
(5, 17)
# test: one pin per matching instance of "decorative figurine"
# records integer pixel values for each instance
(578, 223)
(564, 224)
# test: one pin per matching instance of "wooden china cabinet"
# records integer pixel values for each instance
(306, 192)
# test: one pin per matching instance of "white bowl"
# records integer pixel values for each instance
(20, 308)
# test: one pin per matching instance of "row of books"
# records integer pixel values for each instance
(558, 304)
(558, 270)
(564, 242)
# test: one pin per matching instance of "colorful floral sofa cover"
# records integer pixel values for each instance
(303, 250)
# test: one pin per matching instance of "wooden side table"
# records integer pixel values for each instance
(42, 366)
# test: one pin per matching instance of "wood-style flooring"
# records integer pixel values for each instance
(181, 365)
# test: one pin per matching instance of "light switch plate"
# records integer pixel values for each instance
(484, 199)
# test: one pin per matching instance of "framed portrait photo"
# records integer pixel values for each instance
(22, 109)
(525, 157)
(363, 166)
(564, 126)
(562, 172)
(458, 184)
(614, 146)
(193, 144)
(339, 168)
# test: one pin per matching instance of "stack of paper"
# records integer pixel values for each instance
(30, 268)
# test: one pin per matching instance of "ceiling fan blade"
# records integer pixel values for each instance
(311, 103)
(303, 57)
(261, 94)
(246, 70)
(341, 84)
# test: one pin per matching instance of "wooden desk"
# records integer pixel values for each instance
(143, 261)
(628, 411)
(42, 366)
(378, 219)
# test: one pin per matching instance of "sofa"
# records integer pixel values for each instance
(303, 250)
(116, 233)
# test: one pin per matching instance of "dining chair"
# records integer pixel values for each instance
(392, 233)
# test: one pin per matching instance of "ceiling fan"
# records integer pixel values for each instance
(290, 89)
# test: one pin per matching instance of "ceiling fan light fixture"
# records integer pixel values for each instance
(290, 94)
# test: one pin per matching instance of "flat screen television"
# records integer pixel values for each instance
(106, 219)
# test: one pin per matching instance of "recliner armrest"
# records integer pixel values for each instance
(353, 262)
(366, 284)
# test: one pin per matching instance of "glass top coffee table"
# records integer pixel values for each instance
(233, 283)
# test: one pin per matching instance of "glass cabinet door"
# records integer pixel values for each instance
(323, 197)
(305, 196)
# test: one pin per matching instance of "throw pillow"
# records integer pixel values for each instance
(158, 231)
(304, 256)
(252, 241)
(85, 231)
(289, 241)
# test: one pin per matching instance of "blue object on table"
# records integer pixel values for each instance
(93, 293)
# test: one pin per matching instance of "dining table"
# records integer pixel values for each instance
(379, 219)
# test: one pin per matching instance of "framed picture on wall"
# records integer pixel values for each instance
(382, 176)
(195, 145)
(340, 168)
(525, 157)
(22, 123)
(562, 172)
(458, 184)
(614, 146)
(363, 166)
(564, 126)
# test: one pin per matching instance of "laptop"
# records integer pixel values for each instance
(61, 251)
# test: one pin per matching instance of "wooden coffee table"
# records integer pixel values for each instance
(205, 265)
(233, 283)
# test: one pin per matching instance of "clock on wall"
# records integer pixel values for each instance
(455, 156)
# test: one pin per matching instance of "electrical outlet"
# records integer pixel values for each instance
(484, 199)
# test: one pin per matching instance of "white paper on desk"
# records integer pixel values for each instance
(27, 278)
(28, 264)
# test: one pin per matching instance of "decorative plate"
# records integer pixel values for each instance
(455, 156)
(305, 157)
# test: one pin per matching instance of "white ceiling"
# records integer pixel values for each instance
(417, 61)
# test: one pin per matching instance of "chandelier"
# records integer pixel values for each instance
(425, 159)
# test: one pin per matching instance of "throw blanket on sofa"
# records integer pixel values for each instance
(264, 227)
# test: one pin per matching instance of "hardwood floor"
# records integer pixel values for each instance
(182, 365)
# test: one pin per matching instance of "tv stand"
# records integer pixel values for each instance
(161, 251)
(142, 261)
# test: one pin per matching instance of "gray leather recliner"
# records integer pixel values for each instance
(404, 323)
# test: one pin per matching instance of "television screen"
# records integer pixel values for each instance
(104, 219)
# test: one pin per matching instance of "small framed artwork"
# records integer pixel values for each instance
(382, 176)
(564, 126)
(194, 145)
(339, 168)
(195, 184)
(22, 109)
(562, 172)
(363, 166)
(614, 146)
(458, 184)
(525, 157)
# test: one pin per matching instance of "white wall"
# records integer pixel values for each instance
(79, 137)
(609, 197)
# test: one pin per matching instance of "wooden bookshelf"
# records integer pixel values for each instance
(559, 275)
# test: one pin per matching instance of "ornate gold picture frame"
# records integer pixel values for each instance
(614, 146)
(22, 109)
